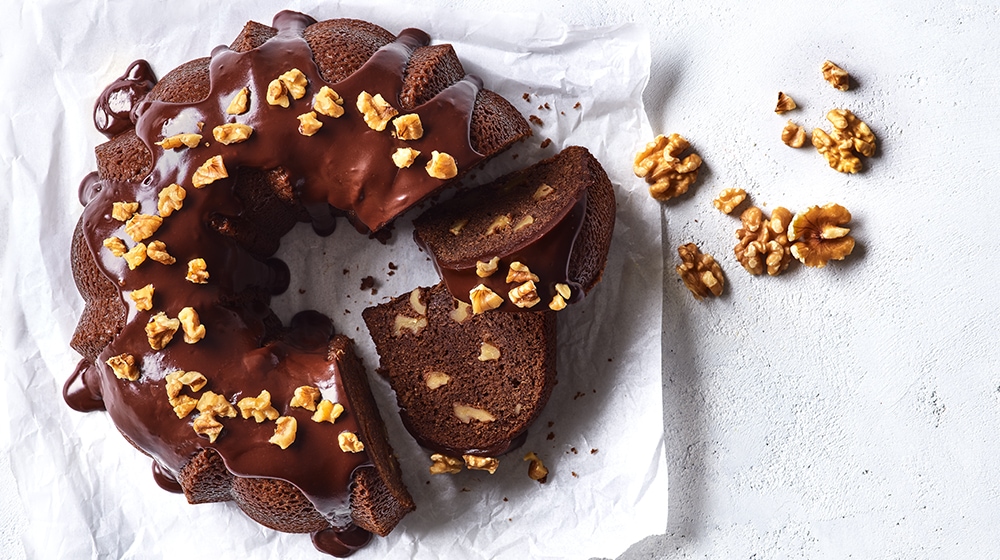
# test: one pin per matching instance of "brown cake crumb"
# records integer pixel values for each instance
(526, 97)
(367, 282)
(546, 143)
(577, 106)
(536, 121)
(551, 436)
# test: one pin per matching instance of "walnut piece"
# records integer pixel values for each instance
(488, 352)
(408, 127)
(232, 133)
(295, 83)
(135, 256)
(524, 295)
(483, 299)
(116, 246)
(259, 407)
(785, 103)
(846, 125)
(171, 199)
(435, 379)
(240, 103)
(277, 94)
(305, 397)
(349, 442)
(143, 297)
(485, 269)
(836, 76)
(197, 271)
(211, 405)
(701, 274)
(729, 199)
(404, 157)
(309, 124)
(157, 251)
(207, 425)
(122, 211)
(124, 367)
(793, 135)
(461, 313)
(475, 462)
(763, 243)
(469, 413)
(819, 235)
(558, 303)
(519, 273)
(176, 381)
(284, 431)
(183, 405)
(443, 464)
(850, 134)
(174, 142)
(413, 324)
(536, 469)
(542, 192)
(376, 111)
(524, 222)
(142, 226)
(328, 103)
(327, 411)
(160, 330)
(191, 325)
(456, 228)
(502, 222)
(416, 301)
(212, 170)
(660, 164)
(441, 165)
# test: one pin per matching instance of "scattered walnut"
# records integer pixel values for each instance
(408, 127)
(284, 431)
(143, 297)
(483, 299)
(524, 295)
(461, 313)
(542, 192)
(309, 124)
(519, 273)
(176, 141)
(488, 352)
(259, 407)
(277, 94)
(443, 464)
(404, 157)
(819, 235)
(157, 251)
(701, 274)
(232, 133)
(240, 103)
(785, 103)
(171, 199)
(485, 269)
(763, 243)
(536, 469)
(563, 290)
(124, 367)
(191, 325)
(457, 227)
(441, 165)
(502, 222)
(660, 164)
(475, 462)
(116, 246)
(295, 83)
(142, 226)
(469, 413)
(328, 103)
(793, 135)
(836, 76)
(177, 380)
(216, 405)
(349, 443)
(327, 411)
(197, 271)
(160, 330)
(376, 111)
(435, 379)
(135, 256)
(122, 211)
(207, 425)
(524, 222)
(305, 397)
(416, 301)
(846, 125)
(212, 170)
(729, 199)
(850, 134)
(558, 303)
(413, 324)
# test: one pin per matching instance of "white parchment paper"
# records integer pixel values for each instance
(87, 493)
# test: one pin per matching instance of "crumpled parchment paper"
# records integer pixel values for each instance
(88, 493)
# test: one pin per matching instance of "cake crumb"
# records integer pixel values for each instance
(536, 121)
(551, 423)
(577, 106)
(547, 106)
(578, 395)
(526, 96)
(546, 143)
(593, 451)
(573, 449)
(514, 156)
(346, 272)
(574, 474)
(505, 498)
(367, 282)
(551, 436)
(392, 266)
(302, 291)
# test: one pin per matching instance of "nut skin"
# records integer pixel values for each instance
(660, 164)
(819, 235)
(699, 271)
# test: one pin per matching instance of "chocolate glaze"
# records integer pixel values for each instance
(113, 109)
(340, 543)
(345, 166)
(166, 480)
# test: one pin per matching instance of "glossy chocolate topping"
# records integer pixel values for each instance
(113, 109)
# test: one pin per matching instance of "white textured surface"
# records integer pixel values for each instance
(851, 411)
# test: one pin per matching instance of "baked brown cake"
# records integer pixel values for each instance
(466, 384)
(302, 121)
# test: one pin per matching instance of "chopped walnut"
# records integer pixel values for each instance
(160, 330)
(435, 379)
(846, 125)
(404, 157)
(124, 367)
(457, 227)
(295, 83)
(183, 405)
(413, 324)
(793, 135)
(483, 299)
(660, 164)
(305, 397)
(408, 127)
(502, 222)
(461, 313)
(176, 381)
(157, 251)
(819, 235)
(277, 94)
(519, 273)
(475, 462)
(701, 274)
(309, 124)
(174, 142)
(240, 103)
(542, 192)
(327, 411)
(216, 405)
(232, 133)
(524, 222)
(116, 246)
(785, 103)
(349, 443)
(563, 290)
(443, 464)
(143, 297)
(485, 269)
(191, 325)
(558, 303)
(763, 243)
(135, 256)
(259, 407)
(328, 103)
(729, 199)
(441, 165)
(536, 469)
(524, 295)
(488, 352)
(836, 76)
(284, 431)
(467, 414)
(122, 211)
(142, 226)
(207, 425)
(376, 111)
(416, 301)
(197, 271)
(171, 199)
(212, 170)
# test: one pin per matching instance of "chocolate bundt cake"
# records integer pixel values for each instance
(203, 173)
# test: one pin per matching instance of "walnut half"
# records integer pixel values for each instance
(660, 164)
(699, 271)
(820, 236)
(763, 243)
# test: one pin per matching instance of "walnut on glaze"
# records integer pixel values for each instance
(134, 256)
(729, 199)
(699, 271)
(328, 102)
(305, 397)
(559, 300)
(483, 299)
(536, 469)
(519, 273)
(157, 251)
(170, 199)
(258, 407)
(295, 83)
(210, 406)
(142, 226)
(763, 242)
(190, 140)
(117, 247)
(404, 157)
(232, 133)
(160, 330)
(284, 431)
(475, 462)
(197, 271)
(122, 211)
(309, 124)
(485, 269)
(660, 164)
(524, 295)
(376, 111)
(349, 442)
(240, 103)
(836, 76)
(327, 411)
(819, 235)
(443, 464)
(441, 166)
(124, 367)
(850, 137)
(209, 172)
(408, 127)
(191, 325)
(143, 297)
